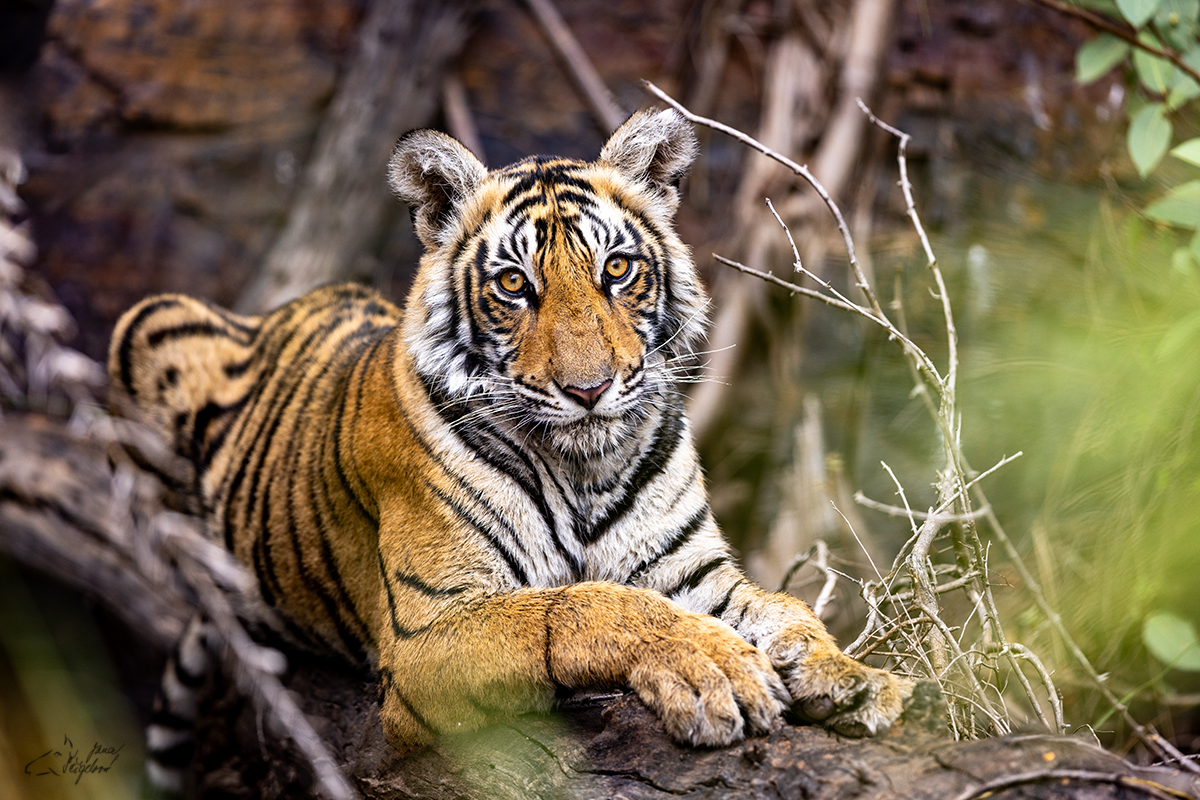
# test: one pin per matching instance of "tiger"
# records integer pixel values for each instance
(492, 497)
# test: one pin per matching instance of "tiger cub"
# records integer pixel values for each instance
(494, 496)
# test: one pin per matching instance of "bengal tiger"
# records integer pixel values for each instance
(493, 496)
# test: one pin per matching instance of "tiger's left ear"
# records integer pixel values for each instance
(433, 173)
(654, 148)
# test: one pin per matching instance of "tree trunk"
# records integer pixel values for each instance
(393, 84)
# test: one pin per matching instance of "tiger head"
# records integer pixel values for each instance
(554, 295)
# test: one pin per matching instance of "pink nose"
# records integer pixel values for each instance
(587, 396)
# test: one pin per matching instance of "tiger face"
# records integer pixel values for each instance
(554, 297)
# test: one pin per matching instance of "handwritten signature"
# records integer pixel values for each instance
(67, 761)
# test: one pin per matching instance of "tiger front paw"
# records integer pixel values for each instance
(833, 689)
(708, 685)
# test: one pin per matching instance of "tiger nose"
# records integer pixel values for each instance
(587, 396)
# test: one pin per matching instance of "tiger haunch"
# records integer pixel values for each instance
(494, 495)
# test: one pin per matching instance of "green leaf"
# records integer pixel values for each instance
(1148, 138)
(1184, 90)
(1155, 73)
(1179, 207)
(1176, 21)
(1189, 151)
(1172, 640)
(1099, 56)
(1138, 12)
(1108, 7)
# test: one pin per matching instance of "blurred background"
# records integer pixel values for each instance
(233, 149)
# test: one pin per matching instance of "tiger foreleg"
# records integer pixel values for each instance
(826, 685)
(513, 652)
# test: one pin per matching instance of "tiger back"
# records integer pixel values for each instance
(494, 496)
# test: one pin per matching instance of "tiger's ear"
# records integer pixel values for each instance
(433, 173)
(654, 148)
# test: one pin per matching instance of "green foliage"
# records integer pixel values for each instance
(1149, 137)
(1099, 56)
(1170, 27)
(1138, 12)
(1172, 640)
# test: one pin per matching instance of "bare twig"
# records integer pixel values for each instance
(458, 114)
(800, 170)
(1149, 737)
(608, 114)
(1150, 788)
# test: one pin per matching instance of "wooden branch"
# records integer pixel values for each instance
(608, 114)
(1123, 32)
(393, 84)
(58, 515)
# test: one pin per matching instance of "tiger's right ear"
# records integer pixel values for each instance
(433, 173)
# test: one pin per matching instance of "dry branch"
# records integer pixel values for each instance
(605, 109)
(935, 645)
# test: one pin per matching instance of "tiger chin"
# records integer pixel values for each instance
(493, 496)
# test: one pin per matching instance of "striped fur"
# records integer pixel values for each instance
(494, 496)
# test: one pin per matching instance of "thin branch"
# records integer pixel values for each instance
(607, 112)
(800, 170)
(1146, 734)
(910, 347)
(1150, 788)
(1125, 33)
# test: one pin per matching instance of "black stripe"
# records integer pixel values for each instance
(232, 480)
(177, 756)
(345, 348)
(466, 516)
(339, 413)
(475, 493)
(322, 512)
(124, 358)
(408, 706)
(264, 561)
(517, 465)
(697, 575)
(199, 452)
(413, 582)
(268, 389)
(188, 329)
(724, 604)
(400, 631)
(666, 439)
(238, 368)
(233, 320)
(681, 537)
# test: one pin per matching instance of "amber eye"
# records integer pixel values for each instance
(616, 267)
(511, 281)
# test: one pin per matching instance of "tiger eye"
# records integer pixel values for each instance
(616, 267)
(511, 281)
